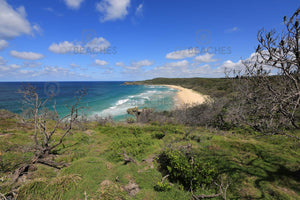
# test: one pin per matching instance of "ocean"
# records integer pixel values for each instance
(103, 98)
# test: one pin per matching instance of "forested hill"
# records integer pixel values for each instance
(215, 87)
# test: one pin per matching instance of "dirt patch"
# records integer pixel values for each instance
(132, 188)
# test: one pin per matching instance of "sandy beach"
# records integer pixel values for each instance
(187, 97)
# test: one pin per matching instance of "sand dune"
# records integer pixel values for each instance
(187, 97)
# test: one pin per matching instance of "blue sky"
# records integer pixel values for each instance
(104, 40)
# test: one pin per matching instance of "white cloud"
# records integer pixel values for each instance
(26, 55)
(17, 72)
(74, 65)
(63, 47)
(4, 67)
(228, 66)
(232, 65)
(98, 43)
(113, 9)
(173, 69)
(234, 29)
(100, 62)
(120, 64)
(73, 4)
(3, 44)
(2, 61)
(94, 46)
(51, 10)
(13, 22)
(32, 64)
(183, 63)
(139, 10)
(206, 58)
(37, 28)
(14, 66)
(135, 65)
(187, 53)
(141, 63)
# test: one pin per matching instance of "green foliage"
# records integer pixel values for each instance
(130, 120)
(257, 166)
(159, 135)
(110, 191)
(132, 141)
(183, 167)
(45, 189)
(162, 186)
(215, 87)
(133, 111)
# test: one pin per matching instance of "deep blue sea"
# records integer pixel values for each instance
(103, 98)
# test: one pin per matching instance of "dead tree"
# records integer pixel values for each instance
(269, 84)
(44, 133)
(223, 187)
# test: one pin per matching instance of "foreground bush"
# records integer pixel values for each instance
(187, 168)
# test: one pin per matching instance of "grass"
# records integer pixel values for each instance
(258, 167)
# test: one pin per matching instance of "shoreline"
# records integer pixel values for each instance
(187, 97)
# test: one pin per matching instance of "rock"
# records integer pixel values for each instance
(132, 188)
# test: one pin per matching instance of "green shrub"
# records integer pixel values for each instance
(184, 167)
(133, 146)
(136, 131)
(159, 135)
(162, 186)
(130, 120)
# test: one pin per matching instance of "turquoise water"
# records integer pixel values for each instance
(103, 98)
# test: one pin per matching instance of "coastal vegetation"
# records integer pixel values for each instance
(243, 164)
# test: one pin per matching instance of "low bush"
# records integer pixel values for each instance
(186, 167)
(159, 135)
(162, 186)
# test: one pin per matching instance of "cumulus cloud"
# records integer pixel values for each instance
(32, 70)
(232, 65)
(3, 44)
(178, 69)
(4, 67)
(141, 63)
(206, 58)
(13, 22)
(186, 53)
(26, 55)
(96, 45)
(112, 10)
(100, 62)
(73, 4)
(172, 67)
(63, 47)
(229, 65)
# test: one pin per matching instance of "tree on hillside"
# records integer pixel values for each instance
(46, 135)
(270, 83)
